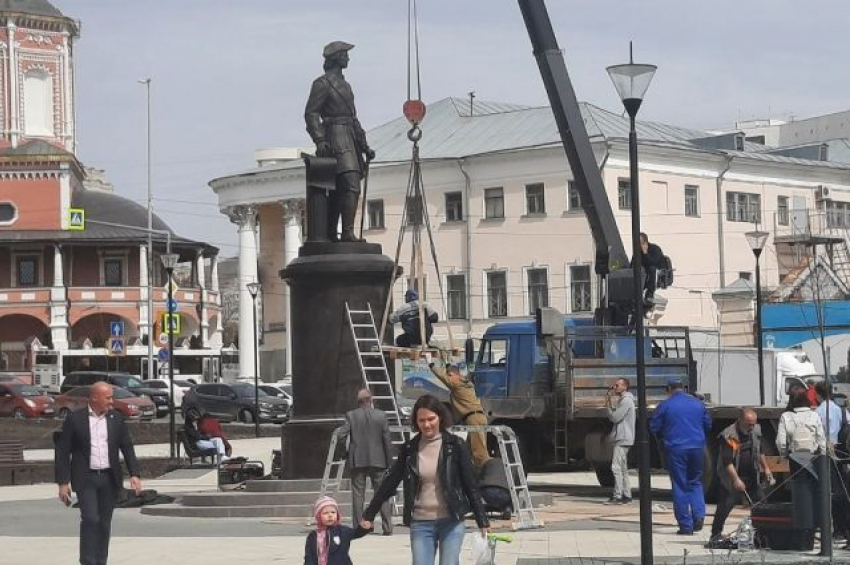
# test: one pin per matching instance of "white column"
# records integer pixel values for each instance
(245, 217)
(144, 315)
(215, 337)
(67, 111)
(202, 283)
(58, 304)
(292, 211)
(14, 126)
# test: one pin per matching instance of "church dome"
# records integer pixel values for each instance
(30, 7)
(112, 208)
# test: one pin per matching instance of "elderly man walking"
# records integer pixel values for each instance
(682, 423)
(370, 452)
(87, 460)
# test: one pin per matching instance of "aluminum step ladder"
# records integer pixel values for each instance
(524, 516)
(376, 379)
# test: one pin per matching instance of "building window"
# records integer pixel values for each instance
(624, 194)
(414, 211)
(456, 290)
(38, 103)
(743, 207)
(535, 198)
(375, 209)
(580, 288)
(494, 203)
(692, 201)
(837, 214)
(497, 294)
(454, 206)
(8, 213)
(538, 289)
(113, 271)
(573, 198)
(782, 210)
(27, 270)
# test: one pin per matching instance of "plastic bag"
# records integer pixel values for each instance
(481, 552)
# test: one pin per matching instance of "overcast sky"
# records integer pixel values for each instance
(231, 76)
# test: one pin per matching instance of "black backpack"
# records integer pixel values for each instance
(665, 273)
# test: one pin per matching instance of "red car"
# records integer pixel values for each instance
(131, 406)
(25, 401)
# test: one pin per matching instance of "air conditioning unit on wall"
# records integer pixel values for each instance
(822, 192)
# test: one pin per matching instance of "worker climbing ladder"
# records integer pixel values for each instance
(524, 516)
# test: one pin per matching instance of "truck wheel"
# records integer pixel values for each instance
(599, 452)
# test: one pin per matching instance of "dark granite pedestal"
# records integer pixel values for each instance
(325, 371)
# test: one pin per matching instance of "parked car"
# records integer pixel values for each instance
(235, 401)
(25, 401)
(180, 388)
(277, 392)
(123, 380)
(133, 407)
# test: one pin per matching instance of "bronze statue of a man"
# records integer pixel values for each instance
(332, 123)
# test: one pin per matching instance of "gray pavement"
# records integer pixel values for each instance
(36, 529)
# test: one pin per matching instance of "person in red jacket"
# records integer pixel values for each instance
(210, 426)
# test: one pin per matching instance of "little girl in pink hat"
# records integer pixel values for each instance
(329, 543)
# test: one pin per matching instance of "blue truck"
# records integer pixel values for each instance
(551, 389)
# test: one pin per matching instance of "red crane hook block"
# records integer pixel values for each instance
(414, 111)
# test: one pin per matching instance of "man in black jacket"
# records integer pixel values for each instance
(651, 259)
(87, 461)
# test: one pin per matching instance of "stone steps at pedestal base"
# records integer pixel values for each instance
(269, 499)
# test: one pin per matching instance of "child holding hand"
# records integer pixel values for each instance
(329, 543)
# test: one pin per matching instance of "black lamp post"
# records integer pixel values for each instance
(631, 81)
(169, 261)
(757, 239)
(254, 289)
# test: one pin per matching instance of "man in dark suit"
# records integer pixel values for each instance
(87, 461)
(370, 452)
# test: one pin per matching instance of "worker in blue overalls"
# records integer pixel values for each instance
(681, 424)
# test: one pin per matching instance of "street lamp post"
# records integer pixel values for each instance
(147, 83)
(169, 261)
(254, 289)
(757, 239)
(631, 81)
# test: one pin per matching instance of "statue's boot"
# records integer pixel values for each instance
(349, 212)
(333, 217)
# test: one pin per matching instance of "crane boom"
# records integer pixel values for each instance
(610, 253)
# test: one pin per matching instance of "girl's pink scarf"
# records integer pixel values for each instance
(321, 529)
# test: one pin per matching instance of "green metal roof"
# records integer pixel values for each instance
(32, 7)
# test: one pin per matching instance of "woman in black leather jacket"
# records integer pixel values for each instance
(439, 487)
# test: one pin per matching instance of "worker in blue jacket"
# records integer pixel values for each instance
(681, 424)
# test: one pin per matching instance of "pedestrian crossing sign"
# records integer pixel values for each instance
(77, 219)
(171, 323)
(116, 347)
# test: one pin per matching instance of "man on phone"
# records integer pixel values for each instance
(87, 460)
(622, 436)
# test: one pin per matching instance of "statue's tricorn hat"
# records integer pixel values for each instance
(335, 47)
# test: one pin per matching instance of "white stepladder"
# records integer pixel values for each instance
(376, 378)
(524, 516)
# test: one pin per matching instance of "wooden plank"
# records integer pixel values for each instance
(777, 464)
